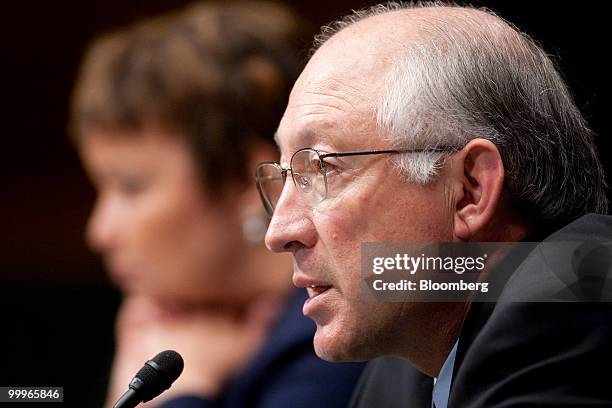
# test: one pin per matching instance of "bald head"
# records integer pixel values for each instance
(367, 44)
(420, 77)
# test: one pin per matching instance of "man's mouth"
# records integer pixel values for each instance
(314, 290)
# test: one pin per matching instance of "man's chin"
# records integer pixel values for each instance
(333, 347)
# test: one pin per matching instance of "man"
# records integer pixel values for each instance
(453, 127)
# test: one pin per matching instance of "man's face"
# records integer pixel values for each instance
(331, 109)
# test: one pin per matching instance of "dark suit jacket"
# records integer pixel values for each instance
(554, 352)
(286, 373)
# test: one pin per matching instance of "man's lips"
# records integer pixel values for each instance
(314, 291)
(302, 281)
(314, 288)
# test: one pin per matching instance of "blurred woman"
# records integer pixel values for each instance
(170, 117)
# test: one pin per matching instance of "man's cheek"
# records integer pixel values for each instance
(336, 227)
(343, 253)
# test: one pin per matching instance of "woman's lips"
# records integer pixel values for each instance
(118, 274)
(118, 279)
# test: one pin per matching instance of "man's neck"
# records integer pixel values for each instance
(442, 328)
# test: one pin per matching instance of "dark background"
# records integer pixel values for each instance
(57, 308)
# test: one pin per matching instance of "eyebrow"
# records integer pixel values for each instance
(305, 138)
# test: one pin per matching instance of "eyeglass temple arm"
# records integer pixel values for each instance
(368, 152)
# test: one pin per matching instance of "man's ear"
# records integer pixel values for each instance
(479, 170)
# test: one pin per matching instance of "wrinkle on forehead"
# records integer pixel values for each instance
(331, 87)
(333, 98)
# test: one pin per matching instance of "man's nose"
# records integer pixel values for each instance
(291, 226)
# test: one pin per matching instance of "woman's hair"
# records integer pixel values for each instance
(217, 74)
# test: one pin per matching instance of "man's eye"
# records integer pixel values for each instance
(328, 167)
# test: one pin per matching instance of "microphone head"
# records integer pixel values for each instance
(158, 374)
(170, 362)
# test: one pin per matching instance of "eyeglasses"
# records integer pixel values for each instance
(309, 172)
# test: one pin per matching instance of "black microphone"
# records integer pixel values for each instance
(152, 379)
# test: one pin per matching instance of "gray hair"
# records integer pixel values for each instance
(472, 76)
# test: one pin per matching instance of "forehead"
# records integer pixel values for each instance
(106, 152)
(333, 102)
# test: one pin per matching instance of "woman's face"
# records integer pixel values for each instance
(153, 223)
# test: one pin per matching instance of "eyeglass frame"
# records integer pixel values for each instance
(323, 156)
